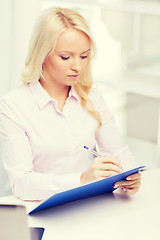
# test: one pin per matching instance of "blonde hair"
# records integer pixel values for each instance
(46, 31)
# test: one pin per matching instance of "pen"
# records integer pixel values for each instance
(93, 152)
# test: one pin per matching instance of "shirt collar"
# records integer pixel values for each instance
(73, 93)
(42, 97)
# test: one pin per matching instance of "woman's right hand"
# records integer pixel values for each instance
(102, 167)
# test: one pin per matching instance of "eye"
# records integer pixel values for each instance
(64, 58)
(83, 57)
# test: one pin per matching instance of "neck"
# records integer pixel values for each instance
(56, 91)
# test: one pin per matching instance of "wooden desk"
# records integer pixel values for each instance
(107, 217)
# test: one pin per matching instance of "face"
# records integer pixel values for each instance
(68, 60)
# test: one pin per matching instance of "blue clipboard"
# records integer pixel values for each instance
(85, 191)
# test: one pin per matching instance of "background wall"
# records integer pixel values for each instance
(126, 67)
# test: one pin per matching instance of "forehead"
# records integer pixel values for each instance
(72, 40)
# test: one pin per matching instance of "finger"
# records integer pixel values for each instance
(109, 160)
(127, 184)
(109, 167)
(134, 176)
(129, 180)
(99, 174)
(134, 185)
(105, 174)
(131, 191)
(100, 163)
(100, 177)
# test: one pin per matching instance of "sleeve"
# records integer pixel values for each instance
(109, 140)
(18, 161)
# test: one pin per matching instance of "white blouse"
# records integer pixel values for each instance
(43, 148)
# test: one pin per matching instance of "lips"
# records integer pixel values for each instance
(73, 76)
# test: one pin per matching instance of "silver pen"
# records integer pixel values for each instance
(93, 152)
(96, 153)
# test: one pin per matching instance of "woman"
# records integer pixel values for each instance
(46, 123)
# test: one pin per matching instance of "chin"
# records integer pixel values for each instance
(72, 83)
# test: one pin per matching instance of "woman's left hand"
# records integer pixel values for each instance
(131, 184)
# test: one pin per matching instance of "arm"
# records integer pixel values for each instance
(18, 162)
(110, 144)
(116, 147)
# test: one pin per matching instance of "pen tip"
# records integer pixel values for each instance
(86, 147)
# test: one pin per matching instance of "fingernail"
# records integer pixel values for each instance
(124, 189)
(116, 186)
(128, 178)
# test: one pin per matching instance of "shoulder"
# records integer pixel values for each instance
(15, 97)
(96, 97)
(99, 102)
(16, 93)
(94, 92)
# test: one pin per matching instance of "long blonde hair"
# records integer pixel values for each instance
(48, 27)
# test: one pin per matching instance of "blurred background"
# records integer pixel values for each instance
(126, 68)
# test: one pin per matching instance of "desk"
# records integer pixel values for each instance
(111, 216)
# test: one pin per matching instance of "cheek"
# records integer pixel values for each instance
(59, 67)
(54, 63)
(84, 66)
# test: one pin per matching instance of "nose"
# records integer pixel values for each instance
(76, 65)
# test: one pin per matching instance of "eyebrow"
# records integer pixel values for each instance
(64, 51)
(86, 51)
